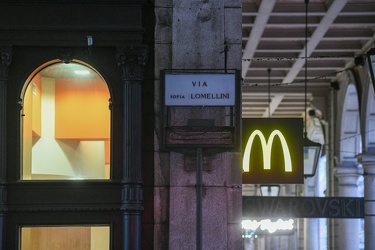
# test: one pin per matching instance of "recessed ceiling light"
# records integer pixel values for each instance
(81, 72)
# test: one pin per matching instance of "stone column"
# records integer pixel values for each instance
(368, 163)
(204, 35)
(131, 61)
(311, 226)
(5, 60)
(348, 229)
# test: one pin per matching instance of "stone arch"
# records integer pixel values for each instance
(369, 118)
(348, 145)
(349, 138)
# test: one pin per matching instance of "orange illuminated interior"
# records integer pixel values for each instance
(37, 103)
(80, 113)
(81, 109)
(65, 237)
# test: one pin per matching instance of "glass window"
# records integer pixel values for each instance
(65, 238)
(66, 124)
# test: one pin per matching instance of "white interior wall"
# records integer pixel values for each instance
(70, 158)
(47, 156)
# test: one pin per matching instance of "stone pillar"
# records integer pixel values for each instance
(275, 242)
(348, 229)
(368, 163)
(5, 60)
(284, 243)
(221, 204)
(248, 243)
(131, 61)
(311, 234)
(204, 35)
(311, 226)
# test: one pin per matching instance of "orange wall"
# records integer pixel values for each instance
(81, 109)
(107, 152)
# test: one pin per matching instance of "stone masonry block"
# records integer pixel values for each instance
(161, 171)
(161, 204)
(163, 57)
(198, 38)
(179, 175)
(161, 236)
(164, 3)
(225, 170)
(182, 218)
(233, 24)
(234, 202)
(163, 27)
(234, 56)
(234, 230)
(196, 3)
(233, 3)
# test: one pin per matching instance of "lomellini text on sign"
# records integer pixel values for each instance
(272, 150)
(200, 89)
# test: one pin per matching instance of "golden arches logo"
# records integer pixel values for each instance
(267, 146)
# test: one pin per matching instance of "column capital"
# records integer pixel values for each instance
(348, 175)
(5, 60)
(367, 159)
(131, 60)
(368, 163)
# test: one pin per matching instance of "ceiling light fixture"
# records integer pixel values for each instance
(81, 72)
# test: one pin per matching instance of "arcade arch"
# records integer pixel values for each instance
(369, 133)
(350, 134)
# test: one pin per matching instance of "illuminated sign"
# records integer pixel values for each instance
(255, 227)
(267, 146)
(272, 150)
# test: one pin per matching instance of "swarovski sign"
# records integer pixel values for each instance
(302, 207)
(272, 150)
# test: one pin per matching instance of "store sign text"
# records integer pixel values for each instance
(303, 207)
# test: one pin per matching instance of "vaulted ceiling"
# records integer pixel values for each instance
(274, 51)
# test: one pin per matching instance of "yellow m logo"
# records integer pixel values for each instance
(267, 146)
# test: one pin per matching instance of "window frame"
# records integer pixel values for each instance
(21, 102)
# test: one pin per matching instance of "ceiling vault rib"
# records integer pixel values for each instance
(275, 102)
(264, 12)
(315, 38)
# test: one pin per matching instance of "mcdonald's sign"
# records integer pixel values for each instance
(272, 150)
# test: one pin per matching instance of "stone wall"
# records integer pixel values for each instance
(194, 35)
